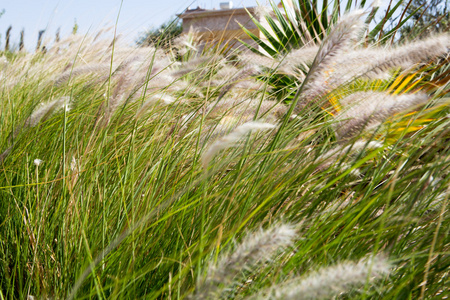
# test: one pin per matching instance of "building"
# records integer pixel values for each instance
(222, 25)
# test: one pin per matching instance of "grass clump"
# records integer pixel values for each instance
(126, 173)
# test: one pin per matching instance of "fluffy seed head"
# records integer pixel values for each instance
(366, 110)
(331, 281)
(341, 37)
(231, 139)
(161, 98)
(46, 110)
(255, 248)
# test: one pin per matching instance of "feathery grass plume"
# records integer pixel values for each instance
(101, 32)
(357, 146)
(256, 248)
(330, 157)
(3, 63)
(302, 55)
(222, 76)
(249, 86)
(41, 114)
(119, 94)
(255, 59)
(231, 139)
(376, 4)
(341, 37)
(296, 60)
(160, 81)
(77, 71)
(329, 282)
(5, 154)
(261, 11)
(376, 62)
(191, 66)
(245, 111)
(74, 164)
(161, 98)
(187, 40)
(46, 110)
(366, 110)
(226, 72)
(419, 51)
(231, 113)
(187, 44)
(245, 72)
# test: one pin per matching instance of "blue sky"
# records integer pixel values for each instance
(135, 16)
(92, 15)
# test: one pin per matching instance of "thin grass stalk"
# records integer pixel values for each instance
(432, 255)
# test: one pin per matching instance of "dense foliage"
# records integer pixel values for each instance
(162, 36)
(427, 17)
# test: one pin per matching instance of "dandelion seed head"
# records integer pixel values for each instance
(37, 162)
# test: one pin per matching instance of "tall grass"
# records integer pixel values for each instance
(143, 178)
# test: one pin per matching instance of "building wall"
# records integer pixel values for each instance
(221, 25)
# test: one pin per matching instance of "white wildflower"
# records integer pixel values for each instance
(37, 162)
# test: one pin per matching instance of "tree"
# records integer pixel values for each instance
(163, 35)
(427, 17)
